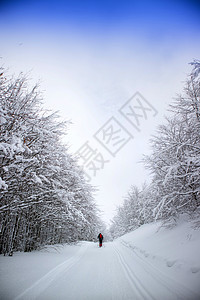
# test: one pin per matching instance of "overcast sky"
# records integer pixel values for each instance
(91, 58)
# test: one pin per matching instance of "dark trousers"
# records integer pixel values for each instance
(100, 242)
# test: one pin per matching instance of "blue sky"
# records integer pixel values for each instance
(149, 16)
(91, 56)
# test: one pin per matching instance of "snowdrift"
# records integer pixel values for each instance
(175, 250)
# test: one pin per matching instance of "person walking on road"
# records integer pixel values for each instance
(100, 237)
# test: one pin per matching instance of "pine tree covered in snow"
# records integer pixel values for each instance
(45, 198)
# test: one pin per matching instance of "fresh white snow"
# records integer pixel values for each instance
(148, 263)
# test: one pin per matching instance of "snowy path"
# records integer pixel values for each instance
(115, 271)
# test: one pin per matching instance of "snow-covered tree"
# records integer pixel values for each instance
(174, 164)
(44, 195)
(134, 211)
(175, 158)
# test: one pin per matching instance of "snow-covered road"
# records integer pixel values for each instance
(114, 271)
(151, 262)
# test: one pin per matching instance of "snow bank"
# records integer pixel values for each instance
(176, 248)
(180, 243)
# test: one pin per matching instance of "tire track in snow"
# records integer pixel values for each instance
(134, 281)
(44, 282)
(174, 287)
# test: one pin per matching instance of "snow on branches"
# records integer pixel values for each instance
(174, 164)
(44, 197)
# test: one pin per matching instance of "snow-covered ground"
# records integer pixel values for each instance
(148, 263)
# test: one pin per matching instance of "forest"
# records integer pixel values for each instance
(174, 165)
(44, 197)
